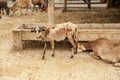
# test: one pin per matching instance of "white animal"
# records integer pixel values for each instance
(57, 33)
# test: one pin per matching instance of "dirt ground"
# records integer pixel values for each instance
(27, 64)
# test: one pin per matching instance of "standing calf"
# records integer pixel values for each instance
(58, 33)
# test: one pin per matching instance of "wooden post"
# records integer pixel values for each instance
(65, 5)
(46, 3)
(89, 4)
(51, 12)
(109, 3)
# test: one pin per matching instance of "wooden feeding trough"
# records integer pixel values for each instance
(23, 33)
(86, 32)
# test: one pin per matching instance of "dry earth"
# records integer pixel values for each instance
(27, 64)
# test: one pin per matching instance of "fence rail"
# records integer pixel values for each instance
(79, 4)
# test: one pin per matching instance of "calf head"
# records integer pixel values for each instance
(40, 32)
(81, 47)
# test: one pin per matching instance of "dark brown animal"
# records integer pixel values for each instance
(3, 6)
(40, 3)
(107, 50)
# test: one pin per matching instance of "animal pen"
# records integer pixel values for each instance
(86, 32)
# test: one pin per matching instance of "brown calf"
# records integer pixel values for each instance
(19, 4)
(103, 48)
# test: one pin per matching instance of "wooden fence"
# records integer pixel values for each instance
(79, 4)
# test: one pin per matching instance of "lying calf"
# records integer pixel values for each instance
(107, 50)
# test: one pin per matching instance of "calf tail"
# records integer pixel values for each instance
(75, 35)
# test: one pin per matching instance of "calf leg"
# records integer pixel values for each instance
(117, 64)
(95, 55)
(33, 8)
(72, 55)
(71, 40)
(21, 11)
(26, 11)
(76, 42)
(44, 50)
(13, 12)
(0, 14)
(53, 47)
(41, 6)
(2, 10)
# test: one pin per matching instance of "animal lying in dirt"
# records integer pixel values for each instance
(107, 50)
(58, 33)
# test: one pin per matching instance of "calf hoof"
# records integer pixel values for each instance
(25, 14)
(72, 57)
(116, 64)
(43, 58)
(52, 55)
(11, 15)
(76, 52)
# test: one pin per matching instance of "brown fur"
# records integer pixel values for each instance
(107, 50)
(40, 3)
(85, 44)
(59, 33)
(46, 35)
(19, 4)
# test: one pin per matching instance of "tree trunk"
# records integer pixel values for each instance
(111, 3)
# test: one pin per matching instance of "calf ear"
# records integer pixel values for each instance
(43, 28)
(33, 30)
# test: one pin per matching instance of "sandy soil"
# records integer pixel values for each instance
(27, 64)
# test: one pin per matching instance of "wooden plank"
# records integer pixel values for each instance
(17, 39)
(88, 35)
(90, 32)
(81, 6)
(78, 3)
